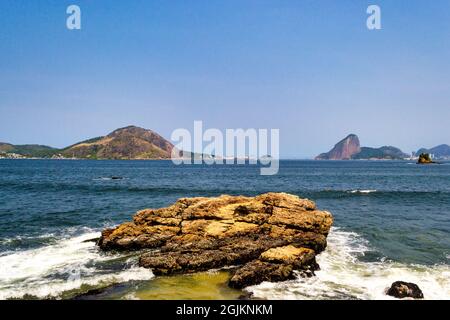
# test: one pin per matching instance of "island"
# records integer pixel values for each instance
(349, 149)
(425, 158)
(440, 152)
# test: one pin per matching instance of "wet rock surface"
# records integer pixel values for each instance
(401, 289)
(266, 237)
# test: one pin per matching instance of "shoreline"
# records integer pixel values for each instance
(361, 280)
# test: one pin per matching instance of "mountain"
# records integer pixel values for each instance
(439, 152)
(349, 148)
(125, 143)
(343, 150)
(28, 150)
(386, 152)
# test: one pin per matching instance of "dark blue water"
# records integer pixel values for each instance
(401, 209)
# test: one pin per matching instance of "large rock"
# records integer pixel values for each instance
(425, 158)
(401, 289)
(343, 150)
(269, 236)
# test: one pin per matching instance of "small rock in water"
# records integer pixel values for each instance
(401, 289)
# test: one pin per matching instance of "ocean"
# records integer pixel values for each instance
(392, 222)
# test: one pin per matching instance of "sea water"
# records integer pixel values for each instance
(392, 222)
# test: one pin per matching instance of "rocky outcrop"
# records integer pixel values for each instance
(276, 264)
(425, 158)
(401, 289)
(268, 236)
(343, 150)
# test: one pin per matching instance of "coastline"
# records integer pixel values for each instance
(343, 276)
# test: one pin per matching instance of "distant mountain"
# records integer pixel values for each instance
(349, 148)
(343, 150)
(386, 153)
(28, 150)
(439, 152)
(125, 143)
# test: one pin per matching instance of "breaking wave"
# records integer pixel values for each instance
(344, 276)
(70, 266)
(363, 191)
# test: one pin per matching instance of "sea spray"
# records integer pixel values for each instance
(71, 265)
(343, 275)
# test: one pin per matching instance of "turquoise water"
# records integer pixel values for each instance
(388, 214)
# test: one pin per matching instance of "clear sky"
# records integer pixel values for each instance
(310, 68)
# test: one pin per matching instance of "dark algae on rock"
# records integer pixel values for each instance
(266, 237)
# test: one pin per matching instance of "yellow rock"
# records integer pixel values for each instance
(241, 228)
(287, 254)
(218, 228)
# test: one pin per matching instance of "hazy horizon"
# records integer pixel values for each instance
(282, 157)
(311, 69)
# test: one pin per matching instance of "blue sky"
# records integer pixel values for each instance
(310, 68)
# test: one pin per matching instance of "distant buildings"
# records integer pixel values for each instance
(4, 155)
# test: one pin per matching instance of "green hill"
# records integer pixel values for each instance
(439, 152)
(29, 150)
(125, 143)
(386, 152)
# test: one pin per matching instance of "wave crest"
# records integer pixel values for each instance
(68, 265)
(343, 275)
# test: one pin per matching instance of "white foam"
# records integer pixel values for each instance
(54, 269)
(363, 191)
(344, 276)
(108, 178)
